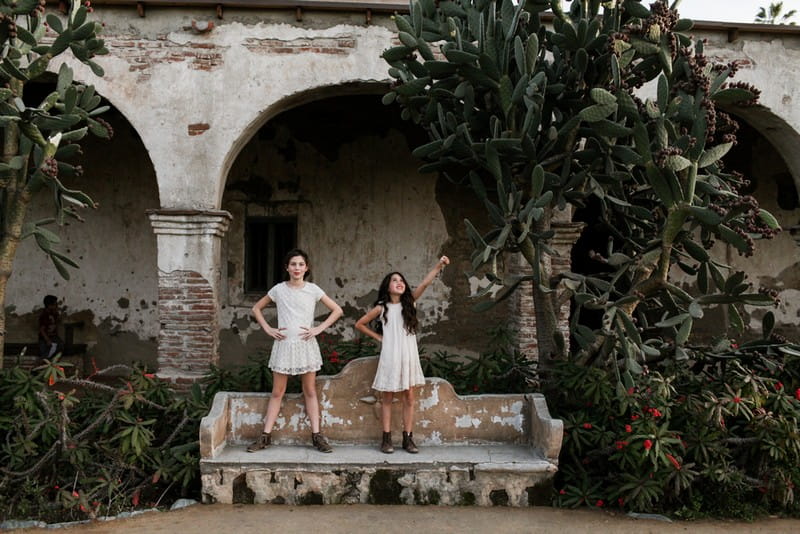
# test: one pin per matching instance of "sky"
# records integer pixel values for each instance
(730, 10)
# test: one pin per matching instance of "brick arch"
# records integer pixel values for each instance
(285, 104)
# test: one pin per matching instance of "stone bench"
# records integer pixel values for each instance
(478, 449)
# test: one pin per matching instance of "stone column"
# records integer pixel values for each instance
(522, 317)
(189, 243)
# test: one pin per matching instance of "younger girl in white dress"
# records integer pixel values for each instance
(399, 370)
(295, 350)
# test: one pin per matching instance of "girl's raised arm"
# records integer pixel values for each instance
(275, 333)
(336, 312)
(420, 289)
(362, 325)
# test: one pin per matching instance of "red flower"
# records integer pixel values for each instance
(734, 346)
(630, 390)
(674, 462)
(75, 493)
(51, 380)
(778, 386)
(562, 492)
(737, 400)
(634, 417)
(647, 444)
(150, 375)
(621, 445)
(599, 503)
(628, 429)
(654, 412)
(621, 501)
(797, 394)
(587, 426)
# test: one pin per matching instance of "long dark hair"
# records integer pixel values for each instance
(410, 321)
(291, 254)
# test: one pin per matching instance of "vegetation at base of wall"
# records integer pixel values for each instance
(718, 437)
(73, 448)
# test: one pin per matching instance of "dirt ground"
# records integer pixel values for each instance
(334, 519)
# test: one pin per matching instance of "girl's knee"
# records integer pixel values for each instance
(309, 392)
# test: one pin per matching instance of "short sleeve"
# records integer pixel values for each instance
(273, 293)
(317, 291)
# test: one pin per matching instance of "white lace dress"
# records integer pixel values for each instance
(398, 367)
(293, 355)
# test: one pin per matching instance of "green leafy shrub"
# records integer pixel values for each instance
(719, 437)
(74, 448)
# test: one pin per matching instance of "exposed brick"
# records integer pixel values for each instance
(198, 128)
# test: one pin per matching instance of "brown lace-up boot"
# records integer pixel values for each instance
(386, 444)
(320, 443)
(263, 441)
(408, 443)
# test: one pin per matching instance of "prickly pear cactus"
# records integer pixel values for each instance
(537, 107)
(40, 140)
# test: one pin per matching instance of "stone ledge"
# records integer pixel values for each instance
(507, 475)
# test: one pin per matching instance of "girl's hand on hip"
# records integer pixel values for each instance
(310, 333)
(275, 333)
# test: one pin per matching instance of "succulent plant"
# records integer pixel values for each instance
(39, 140)
(536, 115)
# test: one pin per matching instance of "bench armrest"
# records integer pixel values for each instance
(214, 426)
(546, 433)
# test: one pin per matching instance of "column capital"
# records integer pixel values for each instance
(189, 222)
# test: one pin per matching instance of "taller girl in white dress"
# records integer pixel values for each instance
(295, 350)
(399, 369)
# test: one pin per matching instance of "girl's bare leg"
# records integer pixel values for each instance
(386, 410)
(408, 409)
(310, 396)
(279, 381)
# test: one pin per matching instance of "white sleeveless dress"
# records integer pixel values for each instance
(293, 355)
(398, 367)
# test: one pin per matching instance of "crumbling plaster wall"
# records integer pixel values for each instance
(363, 210)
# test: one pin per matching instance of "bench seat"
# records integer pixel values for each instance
(476, 449)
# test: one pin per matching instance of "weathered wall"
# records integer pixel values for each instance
(114, 291)
(343, 167)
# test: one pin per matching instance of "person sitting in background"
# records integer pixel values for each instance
(49, 342)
